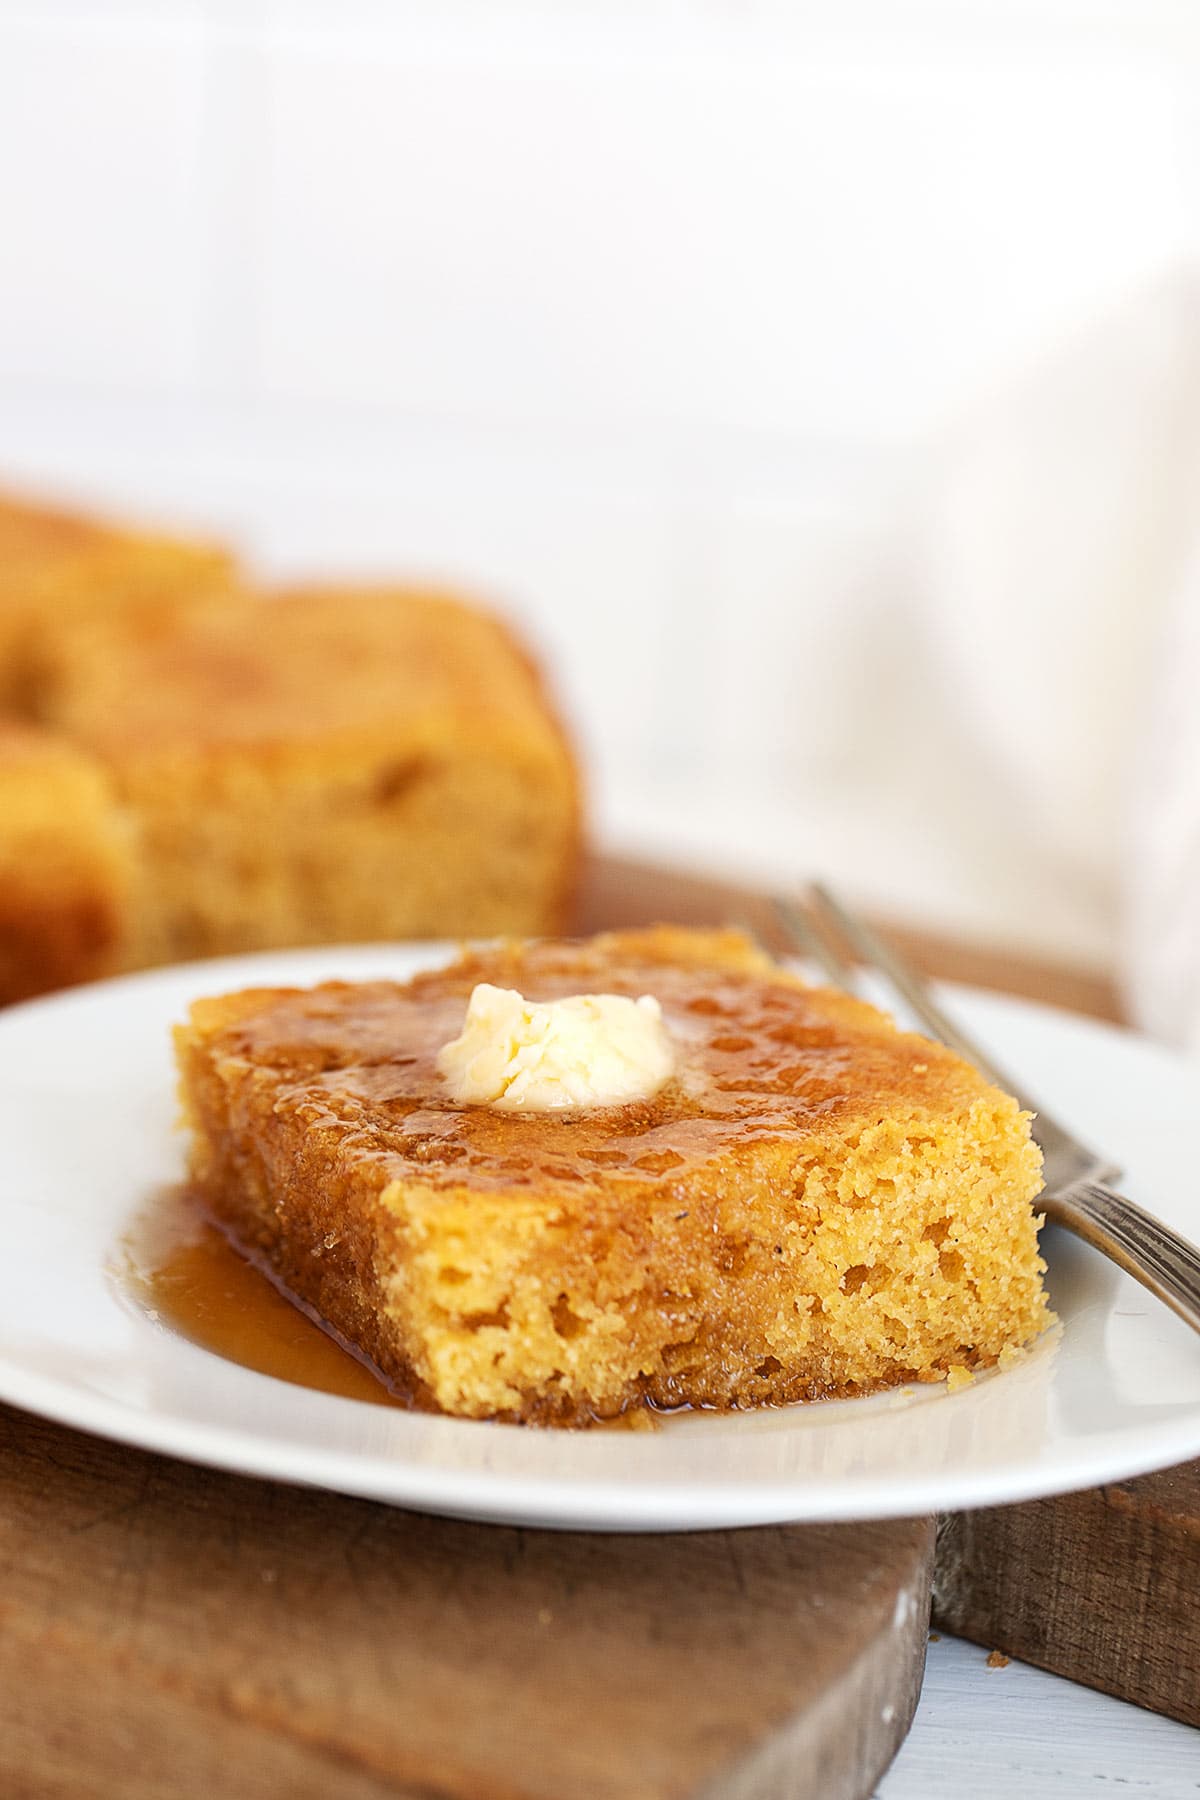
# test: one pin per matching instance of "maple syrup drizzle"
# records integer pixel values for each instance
(191, 1278)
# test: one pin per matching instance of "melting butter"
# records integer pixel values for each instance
(590, 1050)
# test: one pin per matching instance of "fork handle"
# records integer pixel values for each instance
(1141, 1244)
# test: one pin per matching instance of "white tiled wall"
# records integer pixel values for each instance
(102, 229)
(440, 233)
(636, 317)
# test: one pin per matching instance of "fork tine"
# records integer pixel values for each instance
(743, 923)
(800, 928)
(904, 978)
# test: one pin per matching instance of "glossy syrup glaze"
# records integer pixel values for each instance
(760, 1059)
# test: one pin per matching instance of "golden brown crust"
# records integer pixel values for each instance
(311, 665)
(74, 587)
(817, 1203)
(332, 765)
(65, 866)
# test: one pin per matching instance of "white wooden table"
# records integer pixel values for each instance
(1017, 1733)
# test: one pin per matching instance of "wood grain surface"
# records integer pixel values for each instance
(617, 891)
(172, 1631)
(1101, 1586)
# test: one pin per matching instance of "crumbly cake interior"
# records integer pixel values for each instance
(816, 1204)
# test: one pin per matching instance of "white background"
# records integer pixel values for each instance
(648, 321)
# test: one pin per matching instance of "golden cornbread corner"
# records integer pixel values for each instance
(69, 581)
(323, 765)
(66, 865)
(815, 1204)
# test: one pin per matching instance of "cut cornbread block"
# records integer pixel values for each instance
(814, 1204)
(65, 866)
(323, 766)
(331, 765)
(69, 580)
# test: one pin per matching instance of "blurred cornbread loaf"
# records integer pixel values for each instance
(63, 574)
(66, 869)
(247, 772)
(329, 765)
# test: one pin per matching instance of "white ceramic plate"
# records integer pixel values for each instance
(86, 1138)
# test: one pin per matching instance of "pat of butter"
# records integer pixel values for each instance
(591, 1050)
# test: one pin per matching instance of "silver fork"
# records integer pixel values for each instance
(1077, 1193)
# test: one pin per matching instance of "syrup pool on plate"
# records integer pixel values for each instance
(190, 1277)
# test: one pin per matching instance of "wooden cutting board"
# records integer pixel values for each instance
(168, 1630)
(1101, 1586)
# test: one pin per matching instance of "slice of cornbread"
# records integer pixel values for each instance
(815, 1203)
(65, 866)
(329, 765)
(65, 576)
